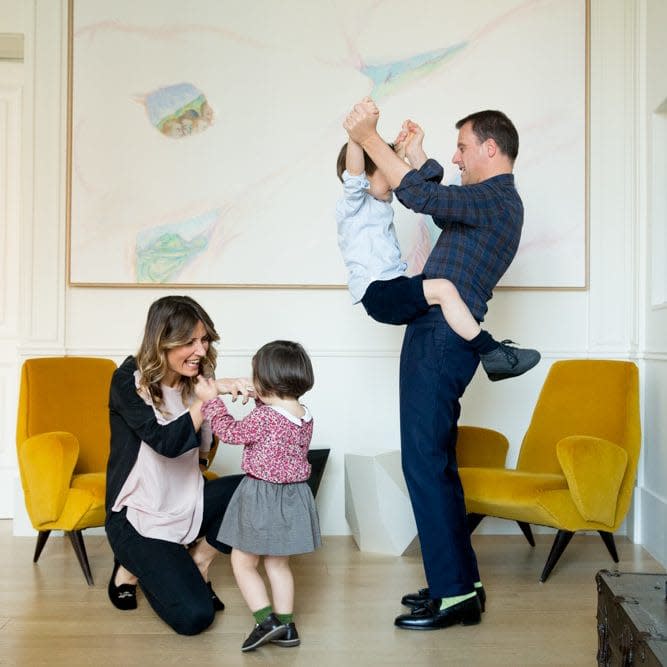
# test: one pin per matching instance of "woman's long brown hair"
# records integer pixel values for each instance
(170, 323)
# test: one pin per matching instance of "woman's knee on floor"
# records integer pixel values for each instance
(193, 619)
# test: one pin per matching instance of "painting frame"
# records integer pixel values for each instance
(72, 223)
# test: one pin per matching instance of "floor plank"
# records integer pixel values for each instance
(346, 603)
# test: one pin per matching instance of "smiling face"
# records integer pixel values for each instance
(184, 360)
(471, 156)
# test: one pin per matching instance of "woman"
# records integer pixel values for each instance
(157, 502)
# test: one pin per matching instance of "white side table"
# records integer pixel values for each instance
(377, 504)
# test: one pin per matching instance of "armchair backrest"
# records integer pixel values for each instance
(598, 398)
(68, 394)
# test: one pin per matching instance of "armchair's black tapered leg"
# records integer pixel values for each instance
(528, 533)
(608, 539)
(76, 538)
(474, 521)
(42, 536)
(563, 538)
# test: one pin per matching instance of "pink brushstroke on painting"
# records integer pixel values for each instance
(421, 248)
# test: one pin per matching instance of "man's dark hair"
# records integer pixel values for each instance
(282, 368)
(494, 125)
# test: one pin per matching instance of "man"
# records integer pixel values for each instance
(481, 224)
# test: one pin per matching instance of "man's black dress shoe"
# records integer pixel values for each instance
(270, 628)
(218, 604)
(421, 597)
(290, 638)
(123, 597)
(431, 617)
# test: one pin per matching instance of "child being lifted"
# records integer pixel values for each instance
(376, 271)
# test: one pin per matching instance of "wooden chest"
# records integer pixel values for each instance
(632, 619)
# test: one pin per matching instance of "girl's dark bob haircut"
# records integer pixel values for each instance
(282, 368)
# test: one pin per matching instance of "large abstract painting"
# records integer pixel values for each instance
(203, 140)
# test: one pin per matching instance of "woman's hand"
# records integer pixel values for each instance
(236, 386)
(205, 388)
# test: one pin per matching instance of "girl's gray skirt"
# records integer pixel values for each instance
(269, 519)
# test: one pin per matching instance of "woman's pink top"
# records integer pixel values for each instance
(165, 496)
(275, 441)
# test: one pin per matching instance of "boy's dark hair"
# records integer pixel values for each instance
(494, 125)
(369, 165)
(282, 368)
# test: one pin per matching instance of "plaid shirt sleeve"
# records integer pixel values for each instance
(422, 191)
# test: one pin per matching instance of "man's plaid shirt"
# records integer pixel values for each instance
(481, 227)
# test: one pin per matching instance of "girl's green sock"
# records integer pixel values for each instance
(262, 614)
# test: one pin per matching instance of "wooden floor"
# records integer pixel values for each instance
(346, 603)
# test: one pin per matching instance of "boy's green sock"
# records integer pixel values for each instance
(285, 619)
(262, 614)
(446, 603)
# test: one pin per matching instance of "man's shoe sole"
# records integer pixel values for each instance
(468, 617)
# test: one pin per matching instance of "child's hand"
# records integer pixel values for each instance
(236, 386)
(412, 137)
(400, 144)
(369, 104)
(205, 388)
(361, 122)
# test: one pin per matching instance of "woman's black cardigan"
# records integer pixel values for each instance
(131, 422)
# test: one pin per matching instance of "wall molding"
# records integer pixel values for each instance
(29, 351)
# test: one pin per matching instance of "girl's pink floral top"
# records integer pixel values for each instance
(275, 441)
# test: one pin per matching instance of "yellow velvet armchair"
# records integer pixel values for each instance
(578, 459)
(62, 439)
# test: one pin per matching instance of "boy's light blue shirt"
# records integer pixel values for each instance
(366, 237)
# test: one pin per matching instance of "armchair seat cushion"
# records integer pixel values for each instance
(83, 509)
(509, 494)
(93, 482)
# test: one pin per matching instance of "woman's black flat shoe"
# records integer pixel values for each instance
(123, 597)
(218, 604)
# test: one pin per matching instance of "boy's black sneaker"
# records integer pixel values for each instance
(508, 362)
(290, 638)
(270, 628)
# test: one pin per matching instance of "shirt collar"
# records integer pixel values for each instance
(288, 415)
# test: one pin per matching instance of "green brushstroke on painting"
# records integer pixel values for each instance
(162, 252)
(389, 77)
(161, 260)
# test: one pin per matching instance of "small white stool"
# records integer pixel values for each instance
(377, 504)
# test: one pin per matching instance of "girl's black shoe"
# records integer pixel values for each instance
(122, 597)
(218, 604)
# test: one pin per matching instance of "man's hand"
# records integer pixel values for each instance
(361, 122)
(409, 142)
(236, 386)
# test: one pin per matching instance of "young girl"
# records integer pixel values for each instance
(272, 513)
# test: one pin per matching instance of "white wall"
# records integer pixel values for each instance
(11, 105)
(355, 400)
(653, 201)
